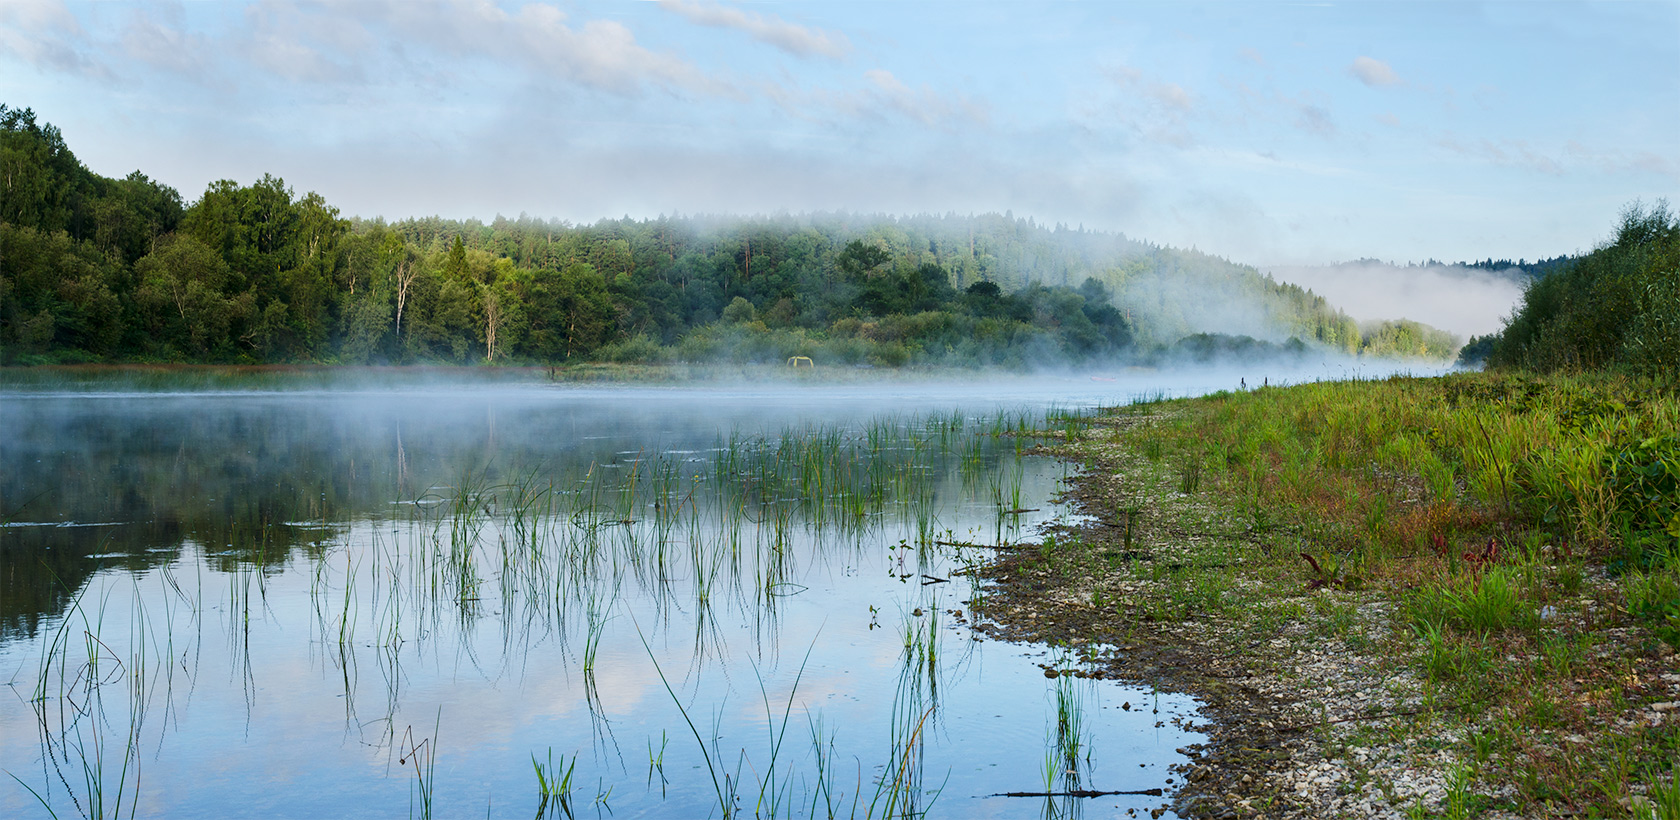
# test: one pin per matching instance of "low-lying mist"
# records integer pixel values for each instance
(750, 395)
(1462, 300)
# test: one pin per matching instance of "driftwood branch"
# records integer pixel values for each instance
(1081, 793)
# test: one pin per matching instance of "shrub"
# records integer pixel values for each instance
(636, 349)
(1613, 307)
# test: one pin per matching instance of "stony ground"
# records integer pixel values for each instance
(1316, 704)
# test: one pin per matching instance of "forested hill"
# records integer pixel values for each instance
(93, 269)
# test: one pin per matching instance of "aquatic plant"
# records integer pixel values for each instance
(554, 782)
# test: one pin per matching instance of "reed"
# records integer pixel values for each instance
(554, 782)
(421, 754)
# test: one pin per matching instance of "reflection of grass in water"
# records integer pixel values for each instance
(591, 649)
(722, 785)
(541, 544)
(900, 792)
(1070, 732)
(77, 735)
(920, 634)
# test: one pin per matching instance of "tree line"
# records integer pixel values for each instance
(1616, 308)
(101, 269)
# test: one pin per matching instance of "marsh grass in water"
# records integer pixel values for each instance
(554, 782)
(486, 574)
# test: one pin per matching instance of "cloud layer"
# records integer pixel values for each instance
(1252, 134)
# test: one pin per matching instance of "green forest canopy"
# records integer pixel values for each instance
(100, 269)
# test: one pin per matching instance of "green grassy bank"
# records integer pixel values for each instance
(1499, 554)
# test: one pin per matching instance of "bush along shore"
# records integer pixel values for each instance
(1452, 597)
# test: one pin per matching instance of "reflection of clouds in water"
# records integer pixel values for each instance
(503, 689)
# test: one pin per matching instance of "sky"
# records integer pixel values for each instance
(1269, 133)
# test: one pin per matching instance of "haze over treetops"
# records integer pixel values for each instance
(124, 269)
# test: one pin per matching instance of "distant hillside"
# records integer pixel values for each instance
(93, 268)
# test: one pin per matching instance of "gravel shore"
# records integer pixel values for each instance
(1313, 700)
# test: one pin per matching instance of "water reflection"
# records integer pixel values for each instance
(424, 602)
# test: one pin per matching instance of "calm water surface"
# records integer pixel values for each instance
(389, 603)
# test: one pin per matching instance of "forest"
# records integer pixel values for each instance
(1616, 308)
(97, 269)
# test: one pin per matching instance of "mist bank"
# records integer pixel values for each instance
(759, 387)
(106, 270)
(1460, 299)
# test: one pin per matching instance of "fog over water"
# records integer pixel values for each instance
(270, 601)
(392, 592)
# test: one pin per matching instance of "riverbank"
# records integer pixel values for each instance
(1447, 597)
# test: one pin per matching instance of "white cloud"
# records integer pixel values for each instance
(1152, 108)
(1513, 153)
(165, 43)
(1618, 162)
(45, 34)
(349, 43)
(288, 41)
(1572, 157)
(601, 53)
(1170, 95)
(883, 96)
(39, 16)
(1314, 119)
(1373, 72)
(800, 41)
(923, 105)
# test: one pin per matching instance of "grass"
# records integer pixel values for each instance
(1512, 541)
(1070, 736)
(421, 754)
(1663, 792)
(91, 739)
(554, 782)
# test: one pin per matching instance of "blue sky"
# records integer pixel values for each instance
(1271, 133)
